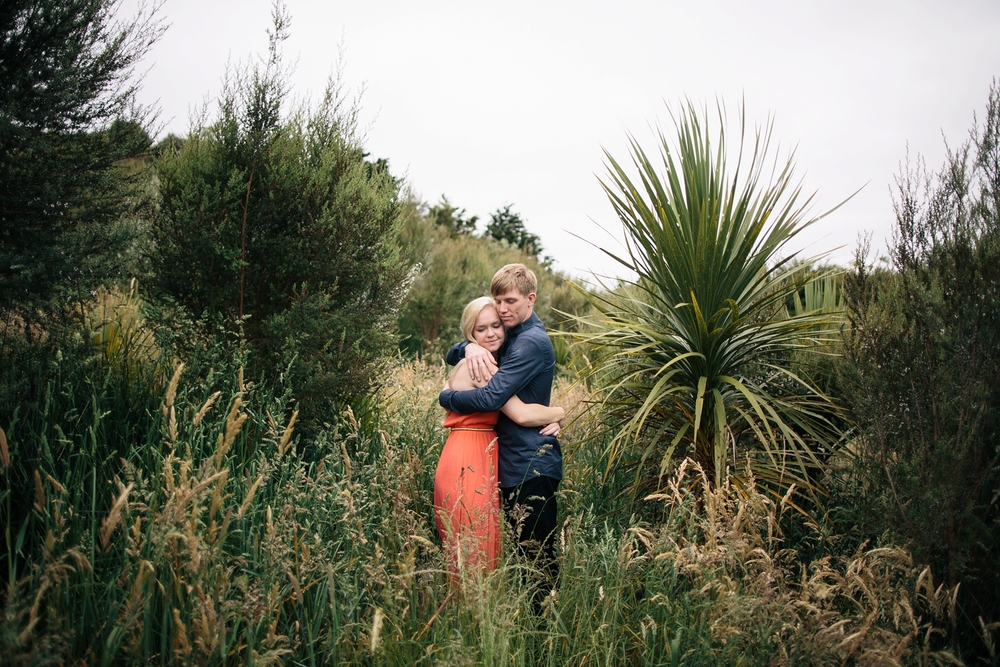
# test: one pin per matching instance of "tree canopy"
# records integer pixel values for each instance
(274, 231)
(506, 225)
(67, 119)
(452, 269)
(452, 218)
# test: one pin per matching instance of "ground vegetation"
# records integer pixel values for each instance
(229, 461)
(922, 356)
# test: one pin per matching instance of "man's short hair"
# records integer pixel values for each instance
(511, 277)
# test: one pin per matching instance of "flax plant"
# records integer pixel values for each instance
(692, 356)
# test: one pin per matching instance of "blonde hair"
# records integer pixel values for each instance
(471, 314)
(511, 277)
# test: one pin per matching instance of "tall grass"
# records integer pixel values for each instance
(172, 521)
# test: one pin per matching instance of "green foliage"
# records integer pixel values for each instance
(83, 407)
(202, 538)
(452, 218)
(453, 270)
(692, 356)
(67, 120)
(457, 270)
(924, 365)
(168, 144)
(508, 227)
(820, 357)
(273, 232)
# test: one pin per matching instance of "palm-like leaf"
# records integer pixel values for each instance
(692, 355)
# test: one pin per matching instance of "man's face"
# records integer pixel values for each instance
(514, 307)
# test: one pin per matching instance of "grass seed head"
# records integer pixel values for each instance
(172, 388)
(4, 454)
(182, 645)
(56, 485)
(209, 402)
(233, 424)
(286, 437)
(39, 492)
(111, 522)
(172, 424)
(168, 472)
(246, 501)
(194, 554)
(25, 634)
(376, 629)
(217, 495)
(348, 469)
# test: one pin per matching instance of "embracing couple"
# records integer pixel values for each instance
(503, 434)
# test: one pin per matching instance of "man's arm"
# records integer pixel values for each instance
(523, 362)
(456, 353)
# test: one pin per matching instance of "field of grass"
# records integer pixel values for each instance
(158, 518)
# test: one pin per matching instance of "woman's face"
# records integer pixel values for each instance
(488, 331)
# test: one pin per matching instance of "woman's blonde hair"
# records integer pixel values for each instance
(471, 314)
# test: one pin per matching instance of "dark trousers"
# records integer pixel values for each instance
(530, 508)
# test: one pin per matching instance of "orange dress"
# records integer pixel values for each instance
(466, 497)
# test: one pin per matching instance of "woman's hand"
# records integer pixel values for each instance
(552, 429)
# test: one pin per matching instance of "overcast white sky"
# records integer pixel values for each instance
(511, 103)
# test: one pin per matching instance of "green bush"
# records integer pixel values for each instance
(274, 234)
(452, 269)
(923, 375)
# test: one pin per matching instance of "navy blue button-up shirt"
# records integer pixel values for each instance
(527, 366)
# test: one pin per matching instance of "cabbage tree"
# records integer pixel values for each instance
(693, 355)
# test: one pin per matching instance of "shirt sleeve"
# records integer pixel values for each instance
(456, 353)
(522, 362)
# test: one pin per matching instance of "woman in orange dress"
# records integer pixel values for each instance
(466, 497)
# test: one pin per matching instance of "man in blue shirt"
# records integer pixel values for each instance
(530, 464)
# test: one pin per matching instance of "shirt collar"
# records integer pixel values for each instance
(532, 321)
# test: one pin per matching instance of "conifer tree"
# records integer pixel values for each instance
(274, 231)
(67, 119)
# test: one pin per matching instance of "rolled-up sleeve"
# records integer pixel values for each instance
(456, 353)
(522, 362)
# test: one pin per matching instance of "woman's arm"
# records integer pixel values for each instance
(532, 414)
(521, 413)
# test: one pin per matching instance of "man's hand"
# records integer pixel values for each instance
(482, 365)
(552, 429)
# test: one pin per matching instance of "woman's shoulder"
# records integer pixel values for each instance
(461, 379)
